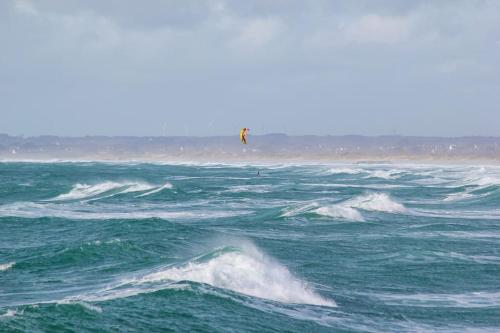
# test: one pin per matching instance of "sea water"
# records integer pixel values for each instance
(134, 247)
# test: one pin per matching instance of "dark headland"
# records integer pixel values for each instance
(261, 148)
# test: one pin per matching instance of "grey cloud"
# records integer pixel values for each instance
(128, 67)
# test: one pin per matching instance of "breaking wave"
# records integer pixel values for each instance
(247, 271)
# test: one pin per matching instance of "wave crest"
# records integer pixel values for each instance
(108, 189)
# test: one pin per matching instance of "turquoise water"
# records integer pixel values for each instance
(106, 247)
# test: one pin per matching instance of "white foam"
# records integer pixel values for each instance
(465, 300)
(4, 267)
(380, 202)
(247, 271)
(341, 212)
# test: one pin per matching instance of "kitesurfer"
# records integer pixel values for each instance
(243, 135)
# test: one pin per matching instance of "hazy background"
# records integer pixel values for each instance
(70, 67)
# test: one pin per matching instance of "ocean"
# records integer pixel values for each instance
(138, 247)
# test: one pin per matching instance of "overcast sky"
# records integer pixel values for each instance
(160, 67)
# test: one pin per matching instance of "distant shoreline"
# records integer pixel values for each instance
(262, 149)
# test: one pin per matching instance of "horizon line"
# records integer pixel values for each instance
(22, 136)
